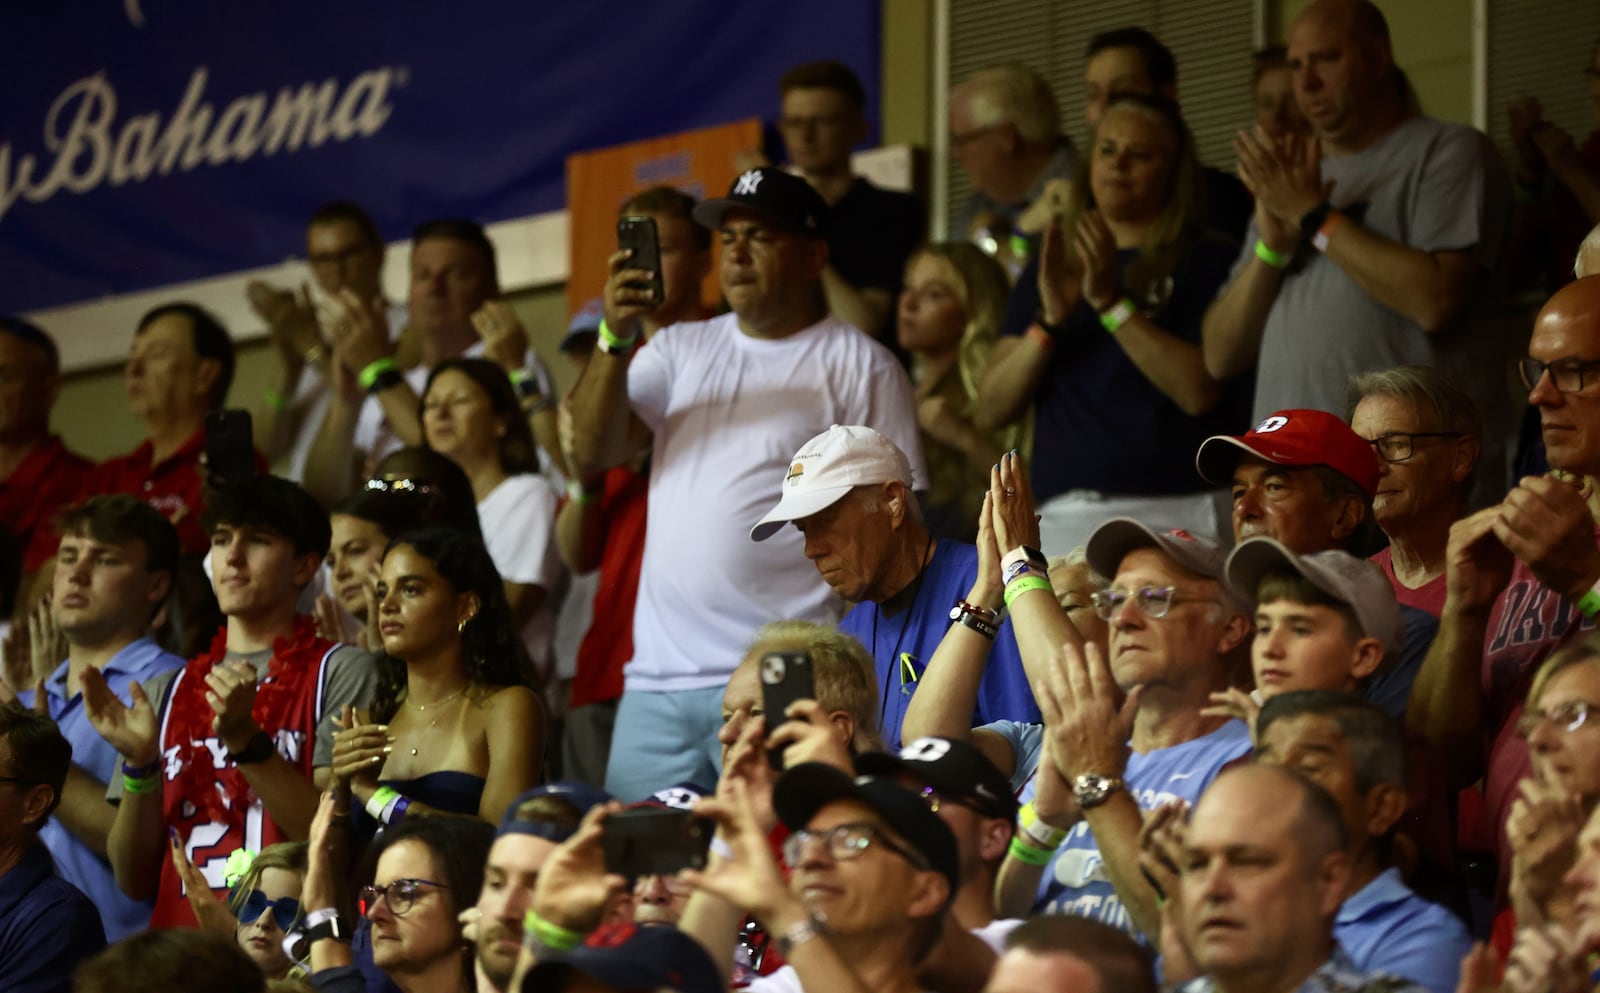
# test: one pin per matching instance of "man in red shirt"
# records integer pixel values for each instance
(38, 475)
(179, 370)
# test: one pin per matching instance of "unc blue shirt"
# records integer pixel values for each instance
(902, 634)
(137, 662)
(1385, 927)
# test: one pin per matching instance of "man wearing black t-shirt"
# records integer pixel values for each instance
(872, 231)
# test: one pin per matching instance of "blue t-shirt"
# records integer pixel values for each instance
(902, 633)
(1100, 423)
(1391, 688)
(137, 662)
(1385, 927)
(1075, 881)
(47, 927)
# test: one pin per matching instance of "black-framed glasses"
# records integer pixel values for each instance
(1569, 716)
(1569, 375)
(399, 895)
(1399, 446)
(285, 910)
(1152, 601)
(845, 842)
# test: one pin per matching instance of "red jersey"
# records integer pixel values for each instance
(608, 644)
(204, 796)
(48, 479)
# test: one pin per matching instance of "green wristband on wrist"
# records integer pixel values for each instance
(140, 786)
(1022, 584)
(1589, 603)
(611, 344)
(1119, 314)
(1276, 260)
(552, 936)
(1029, 854)
(374, 369)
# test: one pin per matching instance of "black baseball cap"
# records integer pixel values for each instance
(807, 788)
(644, 957)
(581, 797)
(949, 766)
(780, 196)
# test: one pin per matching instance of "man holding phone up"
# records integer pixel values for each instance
(722, 403)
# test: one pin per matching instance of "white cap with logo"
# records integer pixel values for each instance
(829, 466)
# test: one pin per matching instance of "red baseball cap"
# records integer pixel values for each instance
(1297, 438)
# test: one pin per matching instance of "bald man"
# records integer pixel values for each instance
(1263, 874)
(1394, 229)
(1520, 575)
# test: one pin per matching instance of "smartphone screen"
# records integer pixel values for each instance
(655, 841)
(639, 235)
(230, 448)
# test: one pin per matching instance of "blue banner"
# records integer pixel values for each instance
(152, 142)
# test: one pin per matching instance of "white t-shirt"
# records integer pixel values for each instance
(518, 518)
(729, 411)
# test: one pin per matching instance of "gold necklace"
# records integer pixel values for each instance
(422, 708)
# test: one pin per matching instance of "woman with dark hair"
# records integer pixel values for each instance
(1112, 361)
(442, 492)
(470, 414)
(454, 727)
(362, 526)
(420, 876)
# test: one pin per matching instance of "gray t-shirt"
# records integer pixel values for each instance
(1427, 184)
(351, 678)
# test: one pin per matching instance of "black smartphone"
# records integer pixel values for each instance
(639, 235)
(785, 678)
(230, 447)
(656, 841)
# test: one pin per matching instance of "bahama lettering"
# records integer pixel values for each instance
(91, 147)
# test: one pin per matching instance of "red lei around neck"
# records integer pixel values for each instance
(191, 720)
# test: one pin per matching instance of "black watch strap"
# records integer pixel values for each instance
(1313, 221)
(259, 749)
(385, 380)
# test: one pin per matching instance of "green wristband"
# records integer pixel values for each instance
(552, 936)
(1589, 603)
(1119, 314)
(613, 344)
(374, 369)
(1029, 854)
(276, 400)
(1276, 260)
(140, 786)
(1024, 583)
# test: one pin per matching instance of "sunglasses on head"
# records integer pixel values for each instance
(285, 910)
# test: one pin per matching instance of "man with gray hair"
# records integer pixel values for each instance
(1005, 132)
(848, 492)
(1428, 436)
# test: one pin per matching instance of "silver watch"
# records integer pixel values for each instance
(1091, 790)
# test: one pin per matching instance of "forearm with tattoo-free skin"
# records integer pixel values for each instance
(1230, 334)
(330, 470)
(84, 811)
(867, 309)
(581, 534)
(134, 845)
(1431, 289)
(1017, 366)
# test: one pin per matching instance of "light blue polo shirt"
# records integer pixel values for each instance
(1385, 927)
(138, 662)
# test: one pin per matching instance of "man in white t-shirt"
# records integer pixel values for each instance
(723, 403)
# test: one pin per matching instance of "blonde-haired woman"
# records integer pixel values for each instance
(950, 310)
(1111, 360)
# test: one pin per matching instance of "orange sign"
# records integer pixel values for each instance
(699, 163)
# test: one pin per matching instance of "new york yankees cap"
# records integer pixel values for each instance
(1293, 438)
(781, 196)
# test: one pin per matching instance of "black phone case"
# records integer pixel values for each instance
(639, 234)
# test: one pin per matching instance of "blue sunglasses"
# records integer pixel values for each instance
(285, 910)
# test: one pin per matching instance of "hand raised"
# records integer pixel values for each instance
(131, 730)
(505, 341)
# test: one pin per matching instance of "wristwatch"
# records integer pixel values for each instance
(1091, 790)
(259, 749)
(317, 926)
(799, 934)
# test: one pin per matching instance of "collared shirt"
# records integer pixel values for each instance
(137, 662)
(47, 479)
(1337, 975)
(47, 927)
(1385, 927)
(171, 486)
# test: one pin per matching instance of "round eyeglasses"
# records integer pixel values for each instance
(845, 842)
(399, 895)
(1152, 601)
(1569, 716)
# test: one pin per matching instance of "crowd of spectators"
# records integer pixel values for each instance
(1171, 618)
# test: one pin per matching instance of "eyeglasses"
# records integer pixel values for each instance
(1152, 601)
(1568, 374)
(1399, 446)
(845, 842)
(1569, 717)
(285, 910)
(398, 895)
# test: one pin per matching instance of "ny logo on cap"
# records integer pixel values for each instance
(925, 750)
(746, 186)
(1274, 423)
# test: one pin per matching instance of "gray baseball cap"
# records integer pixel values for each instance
(1348, 578)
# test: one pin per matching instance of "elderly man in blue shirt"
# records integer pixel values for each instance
(47, 926)
(114, 570)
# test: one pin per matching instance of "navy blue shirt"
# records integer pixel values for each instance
(1101, 425)
(902, 634)
(47, 927)
(1390, 687)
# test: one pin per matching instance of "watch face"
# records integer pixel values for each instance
(955, 613)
